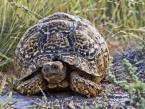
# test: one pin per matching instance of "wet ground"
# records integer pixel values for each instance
(111, 98)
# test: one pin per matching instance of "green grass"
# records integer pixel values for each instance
(120, 18)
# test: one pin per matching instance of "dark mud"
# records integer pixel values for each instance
(111, 98)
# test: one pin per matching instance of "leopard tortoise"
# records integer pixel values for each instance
(61, 51)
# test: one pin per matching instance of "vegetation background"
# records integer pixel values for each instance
(114, 18)
(119, 21)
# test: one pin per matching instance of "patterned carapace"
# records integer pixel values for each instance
(66, 38)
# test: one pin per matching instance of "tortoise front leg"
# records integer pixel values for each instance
(31, 86)
(62, 85)
(84, 86)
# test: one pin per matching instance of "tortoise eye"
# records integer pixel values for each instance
(45, 68)
(53, 66)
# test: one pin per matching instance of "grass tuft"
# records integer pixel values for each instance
(135, 89)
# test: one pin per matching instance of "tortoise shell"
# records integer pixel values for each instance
(63, 37)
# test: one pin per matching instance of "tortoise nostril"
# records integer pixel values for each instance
(54, 66)
(45, 69)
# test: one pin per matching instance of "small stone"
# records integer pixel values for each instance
(71, 105)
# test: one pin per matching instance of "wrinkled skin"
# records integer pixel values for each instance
(54, 72)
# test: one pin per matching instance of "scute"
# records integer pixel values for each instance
(62, 37)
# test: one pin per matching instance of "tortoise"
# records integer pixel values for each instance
(61, 51)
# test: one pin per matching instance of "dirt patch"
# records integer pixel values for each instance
(111, 98)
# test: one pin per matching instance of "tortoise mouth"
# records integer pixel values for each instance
(54, 78)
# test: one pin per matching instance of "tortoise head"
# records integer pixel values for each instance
(54, 72)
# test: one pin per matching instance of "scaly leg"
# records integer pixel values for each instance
(84, 86)
(31, 86)
(62, 85)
